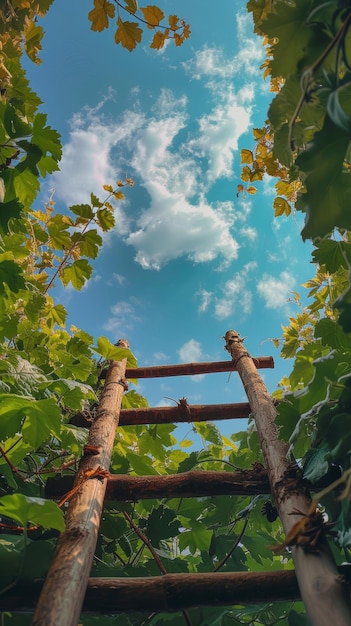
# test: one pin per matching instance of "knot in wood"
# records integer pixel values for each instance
(231, 337)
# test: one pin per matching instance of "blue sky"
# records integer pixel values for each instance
(188, 259)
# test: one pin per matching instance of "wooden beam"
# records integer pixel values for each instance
(186, 369)
(182, 412)
(121, 487)
(170, 592)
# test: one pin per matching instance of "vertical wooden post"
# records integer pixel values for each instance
(322, 591)
(63, 592)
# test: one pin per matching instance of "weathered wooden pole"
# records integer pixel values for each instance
(63, 592)
(322, 590)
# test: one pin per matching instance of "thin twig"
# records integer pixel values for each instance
(157, 559)
(238, 539)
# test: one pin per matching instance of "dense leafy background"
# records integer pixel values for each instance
(49, 372)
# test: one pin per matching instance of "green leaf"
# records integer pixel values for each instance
(316, 464)
(83, 210)
(43, 418)
(25, 509)
(142, 465)
(328, 196)
(12, 276)
(209, 432)
(332, 254)
(106, 219)
(298, 44)
(162, 524)
(14, 125)
(46, 137)
(110, 352)
(90, 243)
(77, 273)
(133, 400)
(95, 201)
(339, 107)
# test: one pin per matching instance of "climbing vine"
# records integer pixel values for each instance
(305, 146)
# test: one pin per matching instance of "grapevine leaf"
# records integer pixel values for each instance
(128, 34)
(25, 509)
(12, 276)
(43, 418)
(77, 273)
(106, 219)
(339, 107)
(110, 352)
(100, 14)
(83, 210)
(131, 5)
(152, 15)
(90, 243)
(281, 207)
(158, 40)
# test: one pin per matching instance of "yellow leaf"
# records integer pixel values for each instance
(283, 188)
(100, 14)
(246, 156)
(281, 207)
(173, 22)
(251, 190)
(108, 188)
(178, 39)
(258, 133)
(256, 175)
(245, 174)
(128, 34)
(130, 182)
(152, 15)
(120, 183)
(131, 5)
(276, 343)
(240, 189)
(108, 206)
(118, 195)
(186, 31)
(185, 443)
(158, 40)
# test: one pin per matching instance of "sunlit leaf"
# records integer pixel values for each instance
(99, 16)
(128, 34)
(152, 15)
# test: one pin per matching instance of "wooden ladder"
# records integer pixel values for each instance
(68, 587)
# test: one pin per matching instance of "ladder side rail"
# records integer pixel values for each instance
(62, 596)
(323, 592)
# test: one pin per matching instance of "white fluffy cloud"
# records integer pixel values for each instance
(124, 318)
(237, 297)
(276, 291)
(213, 64)
(190, 352)
(218, 136)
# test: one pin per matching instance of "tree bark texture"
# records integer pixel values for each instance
(63, 593)
(122, 488)
(322, 591)
(182, 412)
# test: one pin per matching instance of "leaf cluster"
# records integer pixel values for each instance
(129, 33)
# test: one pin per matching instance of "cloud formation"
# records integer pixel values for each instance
(174, 160)
(276, 291)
